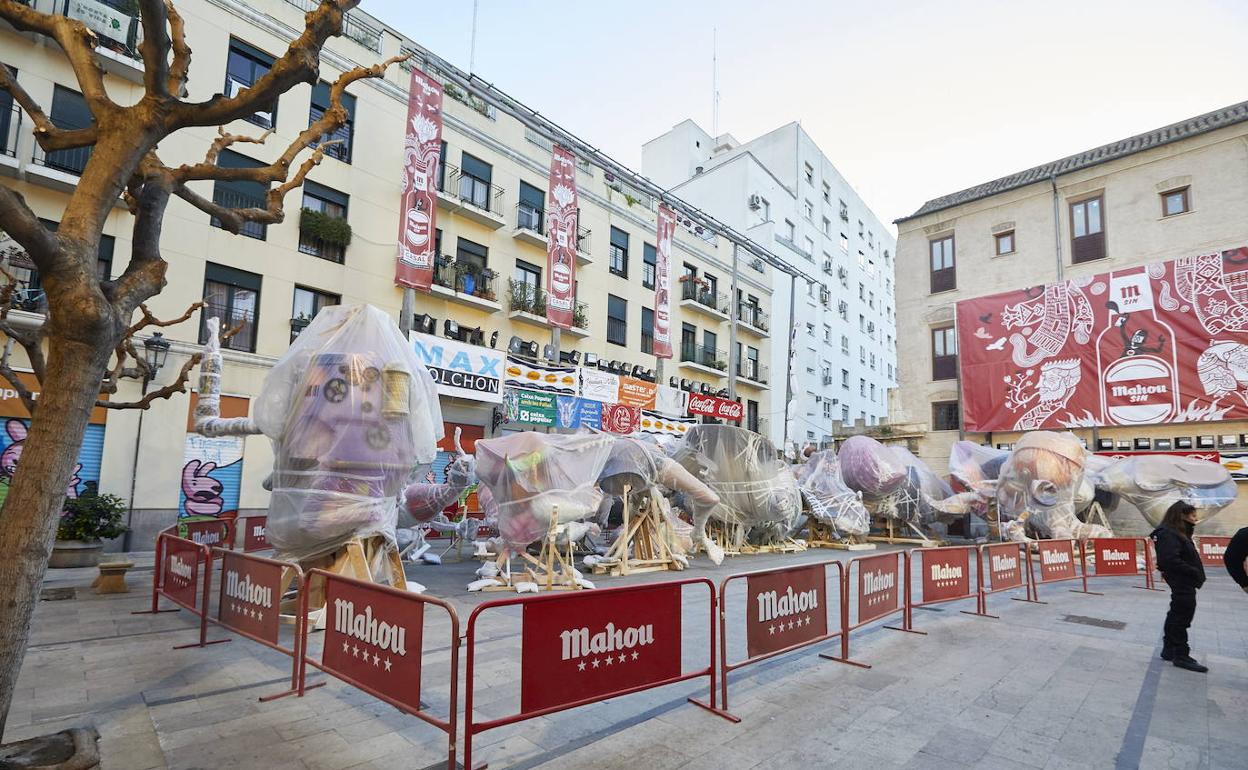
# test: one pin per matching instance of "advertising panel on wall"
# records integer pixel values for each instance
(462, 370)
(561, 206)
(1145, 345)
(422, 149)
(530, 376)
(663, 284)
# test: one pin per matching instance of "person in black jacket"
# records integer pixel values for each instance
(1235, 556)
(1180, 565)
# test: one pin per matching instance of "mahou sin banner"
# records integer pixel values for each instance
(663, 284)
(422, 149)
(1159, 343)
(561, 239)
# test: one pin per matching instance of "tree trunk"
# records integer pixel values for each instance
(36, 498)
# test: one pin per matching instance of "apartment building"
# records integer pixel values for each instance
(783, 191)
(338, 245)
(1173, 193)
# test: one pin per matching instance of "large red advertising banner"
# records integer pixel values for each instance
(1159, 343)
(946, 574)
(1057, 560)
(251, 591)
(1114, 556)
(877, 586)
(1212, 549)
(1003, 566)
(422, 150)
(373, 636)
(663, 284)
(561, 239)
(590, 644)
(784, 608)
(180, 572)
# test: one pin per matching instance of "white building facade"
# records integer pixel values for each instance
(784, 193)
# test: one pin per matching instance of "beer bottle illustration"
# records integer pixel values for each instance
(1135, 356)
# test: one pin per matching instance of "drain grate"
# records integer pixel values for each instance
(1115, 625)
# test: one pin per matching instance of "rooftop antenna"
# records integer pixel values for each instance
(714, 81)
(472, 50)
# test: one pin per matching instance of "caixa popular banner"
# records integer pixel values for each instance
(878, 579)
(784, 609)
(1057, 560)
(1159, 343)
(250, 596)
(590, 644)
(373, 636)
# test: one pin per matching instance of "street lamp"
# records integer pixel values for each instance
(155, 351)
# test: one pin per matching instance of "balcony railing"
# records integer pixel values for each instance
(112, 21)
(244, 340)
(466, 278)
(72, 161)
(234, 200)
(526, 297)
(529, 218)
(583, 239)
(704, 296)
(353, 26)
(341, 138)
(752, 370)
(704, 355)
(752, 315)
(10, 129)
(472, 190)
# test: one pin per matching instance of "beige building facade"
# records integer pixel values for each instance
(1179, 190)
(274, 279)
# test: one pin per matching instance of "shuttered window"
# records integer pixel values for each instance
(944, 274)
(1087, 230)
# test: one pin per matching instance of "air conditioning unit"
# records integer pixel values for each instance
(818, 399)
(827, 265)
(842, 306)
(870, 327)
(842, 273)
(827, 379)
(756, 202)
(757, 264)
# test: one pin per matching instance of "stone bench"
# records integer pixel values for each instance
(112, 578)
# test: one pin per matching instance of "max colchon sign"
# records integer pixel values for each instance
(461, 370)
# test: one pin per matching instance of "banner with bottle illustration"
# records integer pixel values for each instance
(1146, 345)
(212, 467)
(561, 239)
(422, 150)
(663, 284)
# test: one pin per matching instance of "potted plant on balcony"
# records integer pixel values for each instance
(579, 319)
(720, 364)
(328, 229)
(85, 522)
(467, 275)
(486, 290)
(518, 296)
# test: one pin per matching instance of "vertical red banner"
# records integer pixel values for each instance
(1057, 560)
(663, 284)
(373, 636)
(877, 586)
(180, 572)
(561, 239)
(784, 608)
(1115, 556)
(946, 574)
(589, 643)
(1003, 566)
(255, 533)
(422, 150)
(1212, 549)
(250, 594)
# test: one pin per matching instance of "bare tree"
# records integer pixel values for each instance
(82, 348)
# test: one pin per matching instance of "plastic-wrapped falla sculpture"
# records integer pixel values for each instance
(828, 497)
(975, 467)
(1041, 486)
(1152, 483)
(884, 478)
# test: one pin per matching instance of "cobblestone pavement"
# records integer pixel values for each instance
(1045, 686)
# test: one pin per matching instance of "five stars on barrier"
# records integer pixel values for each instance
(790, 625)
(609, 660)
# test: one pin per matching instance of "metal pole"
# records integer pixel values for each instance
(734, 356)
(134, 469)
(407, 314)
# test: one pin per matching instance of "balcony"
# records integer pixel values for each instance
(353, 26)
(471, 197)
(701, 299)
(527, 303)
(753, 319)
(751, 372)
(59, 169)
(706, 360)
(583, 246)
(465, 283)
(530, 225)
(116, 27)
(230, 199)
(10, 130)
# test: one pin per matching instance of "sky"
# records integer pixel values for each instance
(909, 99)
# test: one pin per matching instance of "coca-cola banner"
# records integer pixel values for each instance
(946, 573)
(255, 533)
(251, 593)
(1212, 550)
(561, 239)
(663, 284)
(784, 608)
(714, 406)
(1003, 566)
(878, 580)
(422, 148)
(1057, 560)
(373, 637)
(1159, 343)
(1114, 556)
(593, 643)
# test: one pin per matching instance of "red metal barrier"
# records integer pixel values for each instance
(1117, 556)
(879, 595)
(1212, 549)
(945, 576)
(177, 579)
(255, 533)
(387, 626)
(215, 533)
(584, 647)
(250, 605)
(1057, 564)
(1005, 572)
(786, 609)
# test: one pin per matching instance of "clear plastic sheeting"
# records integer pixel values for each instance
(975, 467)
(1041, 486)
(830, 500)
(351, 411)
(531, 475)
(1152, 483)
(888, 479)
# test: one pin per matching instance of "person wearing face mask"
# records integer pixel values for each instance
(1180, 566)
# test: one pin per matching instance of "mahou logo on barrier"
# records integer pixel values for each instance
(584, 645)
(250, 596)
(374, 637)
(255, 533)
(1212, 550)
(214, 534)
(946, 574)
(1003, 566)
(877, 586)
(180, 578)
(784, 609)
(1057, 560)
(1114, 556)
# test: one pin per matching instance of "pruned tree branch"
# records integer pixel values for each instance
(11, 376)
(48, 135)
(19, 221)
(76, 40)
(126, 350)
(179, 70)
(177, 386)
(155, 46)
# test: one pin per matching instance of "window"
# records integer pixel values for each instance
(618, 262)
(845, 344)
(649, 258)
(470, 252)
(531, 210)
(330, 204)
(871, 299)
(810, 210)
(1175, 202)
(28, 290)
(862, 293)
(862, 387)
(827, 334)
(872, 388)
(890, 372)
(790, 231)
(862, 354)
(475, 181)
(69, 111)
(239, 195)
(872, 356)
(710, 351)
(827, 193)
(844, 211)
(752, 369)
(862, 320)
(810, 174)
(943, 272)
(810, 248)
(245, 65)
(765, 207)
(529, 276)
(647, 330)
(860, 228)
(827, 410)
(712, 285)
(345, 135)
(844, 413)
(845, 379)
(1005, 243)
(617, 320)
(827, 227)
(688, 342)
(945, 415)
(751, 415)
(8, 119)
(234, 297)
(944, 354)
(1087, 231)
(844, 243)
(308, 302)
